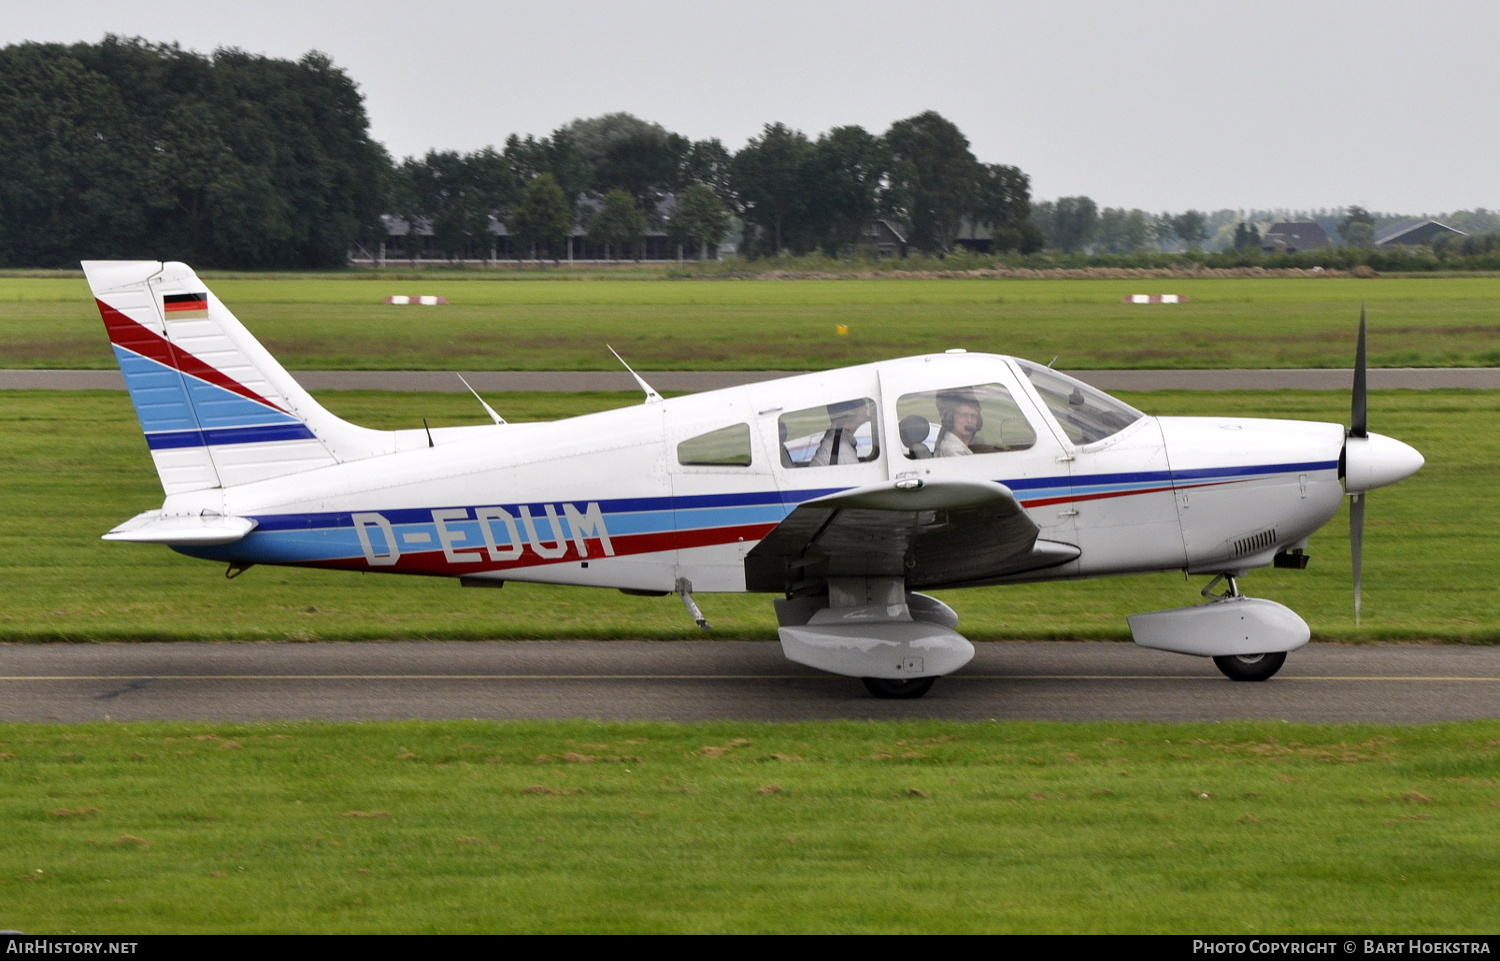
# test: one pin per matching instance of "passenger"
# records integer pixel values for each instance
(962, 421)
(838, 445)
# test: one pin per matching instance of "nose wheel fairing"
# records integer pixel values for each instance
(1229, 626)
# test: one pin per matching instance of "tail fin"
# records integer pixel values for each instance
(217, 408)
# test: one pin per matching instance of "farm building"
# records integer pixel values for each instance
(883, 238)
(414, 241)
(1289, 238)
(1414, 233)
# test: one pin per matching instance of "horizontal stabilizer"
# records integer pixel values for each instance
(153, 527)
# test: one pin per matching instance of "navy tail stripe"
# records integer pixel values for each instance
(220, 436)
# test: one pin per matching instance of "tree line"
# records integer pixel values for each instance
(126, 148)
(1076, 225)
(620, 176)
(129, 149)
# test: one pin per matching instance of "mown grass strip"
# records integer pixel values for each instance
(333, 323)
(913, 827)
(78, 465)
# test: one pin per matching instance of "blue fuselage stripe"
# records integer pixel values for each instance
(306, 538)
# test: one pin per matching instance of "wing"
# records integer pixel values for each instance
(938, 534)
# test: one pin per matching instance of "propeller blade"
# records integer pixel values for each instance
(1358, 422)
(1357, 543)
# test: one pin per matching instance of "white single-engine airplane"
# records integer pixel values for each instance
(844, 492)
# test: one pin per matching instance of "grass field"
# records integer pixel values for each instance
(916, 827)
(911, 827)
(78, 466)
(339, 322)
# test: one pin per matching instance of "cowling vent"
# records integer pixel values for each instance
(1255, 543)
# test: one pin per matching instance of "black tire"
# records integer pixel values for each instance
(1250, 667)
(898, 690)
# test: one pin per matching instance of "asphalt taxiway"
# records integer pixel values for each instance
(712, 680)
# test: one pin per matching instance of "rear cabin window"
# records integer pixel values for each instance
(725, 447)
(961, 421)
(830, 435)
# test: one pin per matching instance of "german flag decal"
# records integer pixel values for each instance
(185, 306)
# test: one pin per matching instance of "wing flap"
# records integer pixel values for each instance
(938, 534)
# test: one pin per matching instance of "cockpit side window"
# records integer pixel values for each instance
(1085, 414)
(725, 447)
(839, 433)
(959, 421)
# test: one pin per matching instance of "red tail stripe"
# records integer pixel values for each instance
(126, 333)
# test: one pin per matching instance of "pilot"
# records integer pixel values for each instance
(838, 445)
(962, 420)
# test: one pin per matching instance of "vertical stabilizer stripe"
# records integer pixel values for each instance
(126, 333)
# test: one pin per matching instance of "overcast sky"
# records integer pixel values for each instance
(1159, 104)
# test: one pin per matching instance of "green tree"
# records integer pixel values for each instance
(1358, 235)
(699, 218)
(708, 163)
(1122, 231)
(593, 137)
(843, 181)
(1003, 204)
(617, 223)
(457, 195)
(934, 179)
(74, 176)
(1074, 222)
(1358, 228)
(1192, 227)
(645, 165)
(123, 147)
(557, 155)
(543, 218)
(1162, 231)
(767, 177)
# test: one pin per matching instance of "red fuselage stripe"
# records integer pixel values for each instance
(434, 562)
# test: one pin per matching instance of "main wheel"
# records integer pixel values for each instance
(1250, 667)
(905, 690)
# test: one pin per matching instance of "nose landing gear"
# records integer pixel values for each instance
(1250, 667)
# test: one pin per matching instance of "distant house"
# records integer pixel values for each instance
(975, 238)
(1286, 238)
(883, 238)
(1414, 233)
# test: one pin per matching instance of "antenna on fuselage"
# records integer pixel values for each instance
(652, 396)
(487, 408)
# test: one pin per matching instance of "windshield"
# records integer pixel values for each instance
(1086, 415)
